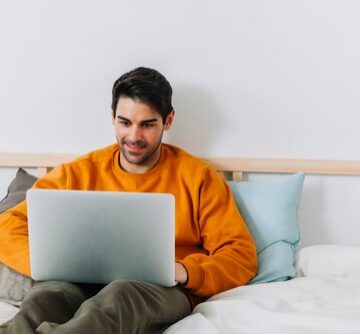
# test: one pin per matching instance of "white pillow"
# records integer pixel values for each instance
(328, 260)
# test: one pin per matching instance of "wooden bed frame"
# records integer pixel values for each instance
(229, 168)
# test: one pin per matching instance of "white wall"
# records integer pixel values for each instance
(251, 78)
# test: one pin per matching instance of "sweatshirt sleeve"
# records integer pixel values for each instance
(14, 240)
(231, 258)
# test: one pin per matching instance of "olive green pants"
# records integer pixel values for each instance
(119, 307)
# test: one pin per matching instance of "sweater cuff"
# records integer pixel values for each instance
(195, 273)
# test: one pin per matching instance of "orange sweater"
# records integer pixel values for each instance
(212, 240)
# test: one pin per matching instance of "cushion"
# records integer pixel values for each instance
(270, 210)
(328, 260)
(17, 190)
(14, 285)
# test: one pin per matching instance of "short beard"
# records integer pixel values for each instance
(145, 158)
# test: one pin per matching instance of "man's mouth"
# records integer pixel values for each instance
(135, 148)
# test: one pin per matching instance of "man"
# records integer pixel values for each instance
(214, 250)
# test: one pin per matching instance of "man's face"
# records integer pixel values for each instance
(139, 129)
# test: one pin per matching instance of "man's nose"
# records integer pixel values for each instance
(135, 134)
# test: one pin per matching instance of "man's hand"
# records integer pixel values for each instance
(181, 275)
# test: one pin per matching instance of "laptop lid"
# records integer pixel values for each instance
(98, 236)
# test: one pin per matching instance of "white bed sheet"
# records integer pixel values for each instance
(7, 311)
(301, 305)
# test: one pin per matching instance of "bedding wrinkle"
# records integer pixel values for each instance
(328, 304)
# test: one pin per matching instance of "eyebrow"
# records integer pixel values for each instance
(142, 122)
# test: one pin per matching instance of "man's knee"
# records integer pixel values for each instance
(121, 287)
(129, 292)
(50, 291)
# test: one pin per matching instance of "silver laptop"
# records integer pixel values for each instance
(97, 237)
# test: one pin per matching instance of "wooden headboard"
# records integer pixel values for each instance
(230, 168)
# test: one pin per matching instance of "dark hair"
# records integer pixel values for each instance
(146, 85)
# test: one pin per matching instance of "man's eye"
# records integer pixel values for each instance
(125, 123)
(148, 125)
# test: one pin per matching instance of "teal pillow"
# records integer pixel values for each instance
(270, 210)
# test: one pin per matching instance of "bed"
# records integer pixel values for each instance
(324, 296)
(313, 302)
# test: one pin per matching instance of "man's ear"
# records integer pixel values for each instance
(169, 120)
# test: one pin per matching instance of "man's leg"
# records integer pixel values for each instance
(126, 307)
(48, 301)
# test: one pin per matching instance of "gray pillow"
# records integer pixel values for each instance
(13, 285)
(17, 190)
